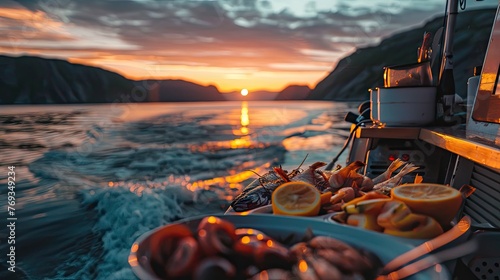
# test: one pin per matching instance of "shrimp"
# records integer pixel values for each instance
(386, 186)
(345, 176)
(344, 194)
(387, 174)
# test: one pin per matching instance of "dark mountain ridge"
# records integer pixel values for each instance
(294, 92)
(362, 70)
(36, 80)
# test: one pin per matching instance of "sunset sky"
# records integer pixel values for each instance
(232, 44)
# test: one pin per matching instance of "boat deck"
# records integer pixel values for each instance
(449, 155)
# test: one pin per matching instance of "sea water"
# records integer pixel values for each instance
(90, 179)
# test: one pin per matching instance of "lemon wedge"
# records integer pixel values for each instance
(440, 202)
(296, 199)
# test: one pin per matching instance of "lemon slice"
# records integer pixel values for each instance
(296, 199)
(426, 228)
(441, 202)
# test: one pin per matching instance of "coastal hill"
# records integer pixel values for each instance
(363, 69)
(177, 91)
(294, 92)
(36, 80)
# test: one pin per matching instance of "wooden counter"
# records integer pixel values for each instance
(453, 139)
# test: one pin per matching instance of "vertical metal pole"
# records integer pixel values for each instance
(452, 11)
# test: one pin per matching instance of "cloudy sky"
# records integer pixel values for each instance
(233, 44)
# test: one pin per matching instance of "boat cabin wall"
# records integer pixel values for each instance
(484, 121)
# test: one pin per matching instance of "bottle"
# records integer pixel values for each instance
(424, 51)
(446, 93)
(424, 57)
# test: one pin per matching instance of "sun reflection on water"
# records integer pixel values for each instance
(244, 141)
(245, 121)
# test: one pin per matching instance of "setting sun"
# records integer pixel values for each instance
(244, 92)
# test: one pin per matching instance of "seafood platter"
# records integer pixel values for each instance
(414, 210)
(265, 247)
(306, 224)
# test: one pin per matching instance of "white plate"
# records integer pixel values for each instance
(280, 227)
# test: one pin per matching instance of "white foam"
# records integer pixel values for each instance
(127, 210)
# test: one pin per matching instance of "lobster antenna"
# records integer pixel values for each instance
(255, 172)
(304, 160)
